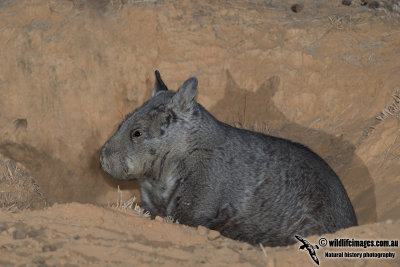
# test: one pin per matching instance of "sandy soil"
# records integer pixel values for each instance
(321, 73)
(86, 235)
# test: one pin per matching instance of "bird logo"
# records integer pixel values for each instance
(311, 249)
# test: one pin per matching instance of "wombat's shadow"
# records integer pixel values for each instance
(257, 111)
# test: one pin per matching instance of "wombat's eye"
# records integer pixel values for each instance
(135, 134)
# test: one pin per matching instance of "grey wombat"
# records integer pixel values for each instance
(249, 186)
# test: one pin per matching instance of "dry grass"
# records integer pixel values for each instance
(340, 22)
(133, 206)
(392, 110)
(129, 205)
(18, 190)
(263, 250)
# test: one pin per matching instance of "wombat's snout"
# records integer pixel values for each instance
(107, 160)
(105, 152)
(112, 162)
(103, 155)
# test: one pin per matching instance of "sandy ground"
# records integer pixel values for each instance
(86, 235)
(320, 73)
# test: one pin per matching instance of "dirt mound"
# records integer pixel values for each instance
(86, 235)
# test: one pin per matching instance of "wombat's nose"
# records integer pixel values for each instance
(104, 153)
(103, 161)
(101, 157)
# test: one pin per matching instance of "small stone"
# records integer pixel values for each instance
(33, 233)
(3, 227)
(47, 248)
(213, 235)
(296, 8)
(224, 245)
(158, 219)
(374, 4)
(346, 2)
(202, 230)
(19, 233)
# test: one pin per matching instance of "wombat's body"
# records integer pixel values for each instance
(249, 186)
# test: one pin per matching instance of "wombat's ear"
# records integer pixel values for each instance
(159, 85)
(185, 95)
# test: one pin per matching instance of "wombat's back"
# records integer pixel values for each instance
(275, 189)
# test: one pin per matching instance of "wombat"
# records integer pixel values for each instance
(248, 186)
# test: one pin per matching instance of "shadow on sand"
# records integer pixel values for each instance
(256, 110)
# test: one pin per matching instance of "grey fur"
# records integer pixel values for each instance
(249, 186)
